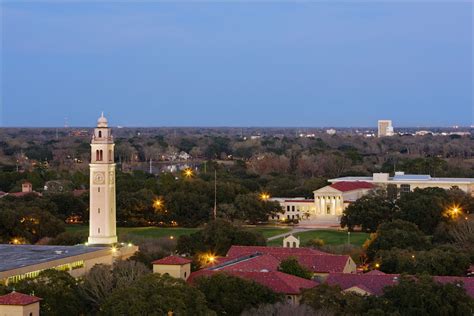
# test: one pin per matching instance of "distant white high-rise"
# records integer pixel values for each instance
(102, 225)
(385, 128)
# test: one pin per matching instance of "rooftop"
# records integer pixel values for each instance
(406, 178)
(18, 256)
(172, 260)
(345, 186)
(278, 282)
(15, 298)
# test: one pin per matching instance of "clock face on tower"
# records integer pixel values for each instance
(99, 177)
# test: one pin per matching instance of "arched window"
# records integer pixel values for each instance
(100, 134)
(101, 155)
(98, 230)
(294, 244)
(97, 155)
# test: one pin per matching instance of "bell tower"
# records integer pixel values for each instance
(102, 218)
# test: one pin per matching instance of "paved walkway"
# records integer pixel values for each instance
(293, 231)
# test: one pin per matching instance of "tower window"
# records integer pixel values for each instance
(110, 154)
(98, 189)
(98, 230)
(101, 155)
(100, 133)
(98, 210)
(97, 155)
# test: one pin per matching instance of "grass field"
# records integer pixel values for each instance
(330, 237)
(157, 232)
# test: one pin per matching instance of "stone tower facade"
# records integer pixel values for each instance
(102, 224)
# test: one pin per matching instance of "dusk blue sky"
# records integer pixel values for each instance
(211, 63)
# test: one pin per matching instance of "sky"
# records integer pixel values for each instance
(236, 63)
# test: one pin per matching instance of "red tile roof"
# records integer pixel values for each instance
(172, 260)
(314, 260)
(345, 186)
(237, 251)
(278, 282)
(375, 283)
(258, 263)
(15, 298)
(326, 263)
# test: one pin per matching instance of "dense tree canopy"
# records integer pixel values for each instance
(217, 237)
(396, 234)
(230, 295)
(368, 212)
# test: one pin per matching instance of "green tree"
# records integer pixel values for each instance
(368, 212)
(423, 296)
(437, 261)
(217, 237)
(253, 209)
(230, 295)
(331, 298)
(59, 292)
(153, 294)
(424, 207)
(397, 234)
(292, 266)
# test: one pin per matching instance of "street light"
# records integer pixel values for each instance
(188, 172)
(454, 211)
(158, 203)
(264, 196)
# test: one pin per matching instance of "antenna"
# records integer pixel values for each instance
(215, 194)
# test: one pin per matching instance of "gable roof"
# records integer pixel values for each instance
(16, 298)
(278, 282)
(314, 260)
(172, 260)
(345, 186)
(375, 282)
(236, 251)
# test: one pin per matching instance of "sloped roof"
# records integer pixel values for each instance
(172, 260)
(345, 186)
(278, 282)
(376, 282)
(236, 251)
(16, 298)
(314, 260)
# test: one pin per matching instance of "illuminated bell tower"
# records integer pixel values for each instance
(102, 223)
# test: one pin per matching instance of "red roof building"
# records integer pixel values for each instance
(172, 260)
(314, 260)
(373, 283)
(345, 186)
(278, 282)
(16, 298)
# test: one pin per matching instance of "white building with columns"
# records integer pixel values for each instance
(327, 206)
(102, 224)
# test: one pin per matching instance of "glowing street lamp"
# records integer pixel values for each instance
(158, 203)
(264, 196)
(188, 172)
(454, 211)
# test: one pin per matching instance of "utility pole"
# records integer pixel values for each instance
(215, 194)
(151, 167)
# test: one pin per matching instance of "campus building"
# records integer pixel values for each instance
(327, 206)
(329, 202)
(385, 128)
(408, 182)
(27, 261)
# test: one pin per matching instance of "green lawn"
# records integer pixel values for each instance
(157, 232)
(269, 231)
(330, 237)
(146, 232)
